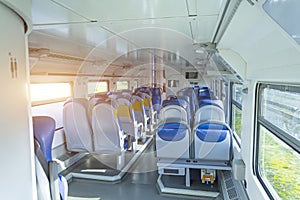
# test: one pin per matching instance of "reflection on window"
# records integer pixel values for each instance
(96, 87)
(122, 85)
(286, 14)
(135, 84)
(173, 83)
(237, 93)
(282, 108)
(236, 109)
(278, 165)
(49, 92)
(237, 120)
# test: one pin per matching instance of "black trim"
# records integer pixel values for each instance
(237, 104)
(59, 128)
(280, 134)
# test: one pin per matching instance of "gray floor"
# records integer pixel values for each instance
(140, 183)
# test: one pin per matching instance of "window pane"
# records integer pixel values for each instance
(236, 120)
(96, 87)
(122, 85)
(279, 165)
(54, 110)
(286, 14)
(237, 93)
(135, 84)
(282, 108)
(49, 91)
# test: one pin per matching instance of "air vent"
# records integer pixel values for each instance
(231, 189)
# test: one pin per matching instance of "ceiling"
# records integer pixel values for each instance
(91, 36)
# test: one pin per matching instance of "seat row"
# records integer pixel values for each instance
(203, 135)
(105, 122)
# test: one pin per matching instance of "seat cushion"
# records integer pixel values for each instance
(172, 131)
(212, 132)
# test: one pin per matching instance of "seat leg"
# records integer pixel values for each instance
(133, 145)
(121, 160)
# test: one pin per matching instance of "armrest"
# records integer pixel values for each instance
(58, 183)
(53, 179)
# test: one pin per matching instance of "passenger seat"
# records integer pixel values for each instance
(77, 125)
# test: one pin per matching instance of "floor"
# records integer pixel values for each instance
(139, 183)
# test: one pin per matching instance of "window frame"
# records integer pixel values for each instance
(55, 100)
(95, 81)
(233, 102)
(280, 134)
(122, 81)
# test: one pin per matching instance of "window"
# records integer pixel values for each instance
(135, 84)
(278, 140)
(173, 83)
(48, 100)
(236, 110)
(54, 110)
(286, 14)
(191, 75)
(43, 93)
(216, 88)
(97, 86)
(122, 85)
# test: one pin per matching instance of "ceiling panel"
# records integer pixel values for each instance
(172, 34)
(209, 7)
(126, 9)
(48, 12)
(178, 25)
(203, 28)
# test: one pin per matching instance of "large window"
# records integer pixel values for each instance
(236, 110)
(278, 140)
(122, 85)
(42, 93)
(97, 87)
(48, 100)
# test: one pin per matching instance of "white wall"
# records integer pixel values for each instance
(259, 50)
(16, 137)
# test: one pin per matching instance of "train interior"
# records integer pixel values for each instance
(139, 99)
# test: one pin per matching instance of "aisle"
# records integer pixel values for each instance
(140, 183)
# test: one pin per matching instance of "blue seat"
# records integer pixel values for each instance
(173, 133)
(213, 141)
(206, 93)
(156, 98)
(44, 129)
(215, 102)
(146, 90)
(173, 140)
(192, 98)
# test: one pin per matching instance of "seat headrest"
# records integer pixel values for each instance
(81, 101)
(215, 102)
(156, 91)
(179, 102)
(43, 130)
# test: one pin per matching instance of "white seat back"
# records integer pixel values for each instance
(174, 113)
(77, 127)
(107, 133)
(209, 113)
